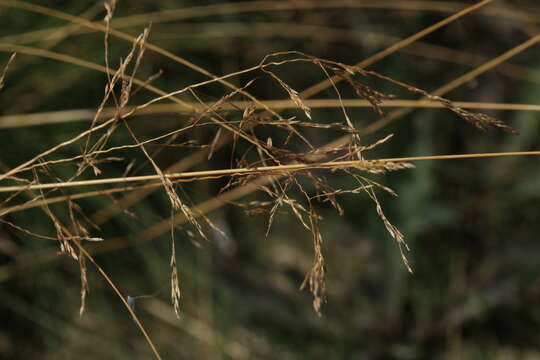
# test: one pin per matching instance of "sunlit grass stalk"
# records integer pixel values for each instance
(263, 170)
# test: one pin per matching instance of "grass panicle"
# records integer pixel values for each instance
(275, 158)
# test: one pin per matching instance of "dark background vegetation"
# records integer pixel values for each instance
(472, 224)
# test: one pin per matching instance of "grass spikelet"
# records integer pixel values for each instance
(175, 283)
(110, 7)
(213, 144)
(374, 97)
(316, 276)
(392, 230)
(297, 210)
(85, 287)
(293, 94)
(65, 246)
(272, 213)
(479, 120)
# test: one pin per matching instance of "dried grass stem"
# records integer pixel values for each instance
(196, 175)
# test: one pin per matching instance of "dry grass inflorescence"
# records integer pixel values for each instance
(278, 157)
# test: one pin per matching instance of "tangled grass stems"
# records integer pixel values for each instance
(67, 238)
(270, 175)
(304, 94)
(459, 81)
(112, 244)
(74, 19)
(339, 69)
(373, 97)
(154, 231)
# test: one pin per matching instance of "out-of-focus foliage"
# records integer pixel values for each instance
(472, 225)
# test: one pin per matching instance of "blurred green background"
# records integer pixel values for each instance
(472, 225)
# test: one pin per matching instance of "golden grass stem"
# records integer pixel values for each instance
(196, 175)
(52, 200)
(68, 116)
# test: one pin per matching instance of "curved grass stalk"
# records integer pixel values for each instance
(122, 298)
(331, 34)
(266, 6)
(317, 88)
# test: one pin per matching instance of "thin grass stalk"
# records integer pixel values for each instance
(268, 6)
(317, 88)
(122, 298)
(75, 115)
(261, 170)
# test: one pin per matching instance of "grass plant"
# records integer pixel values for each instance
(152, 157)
